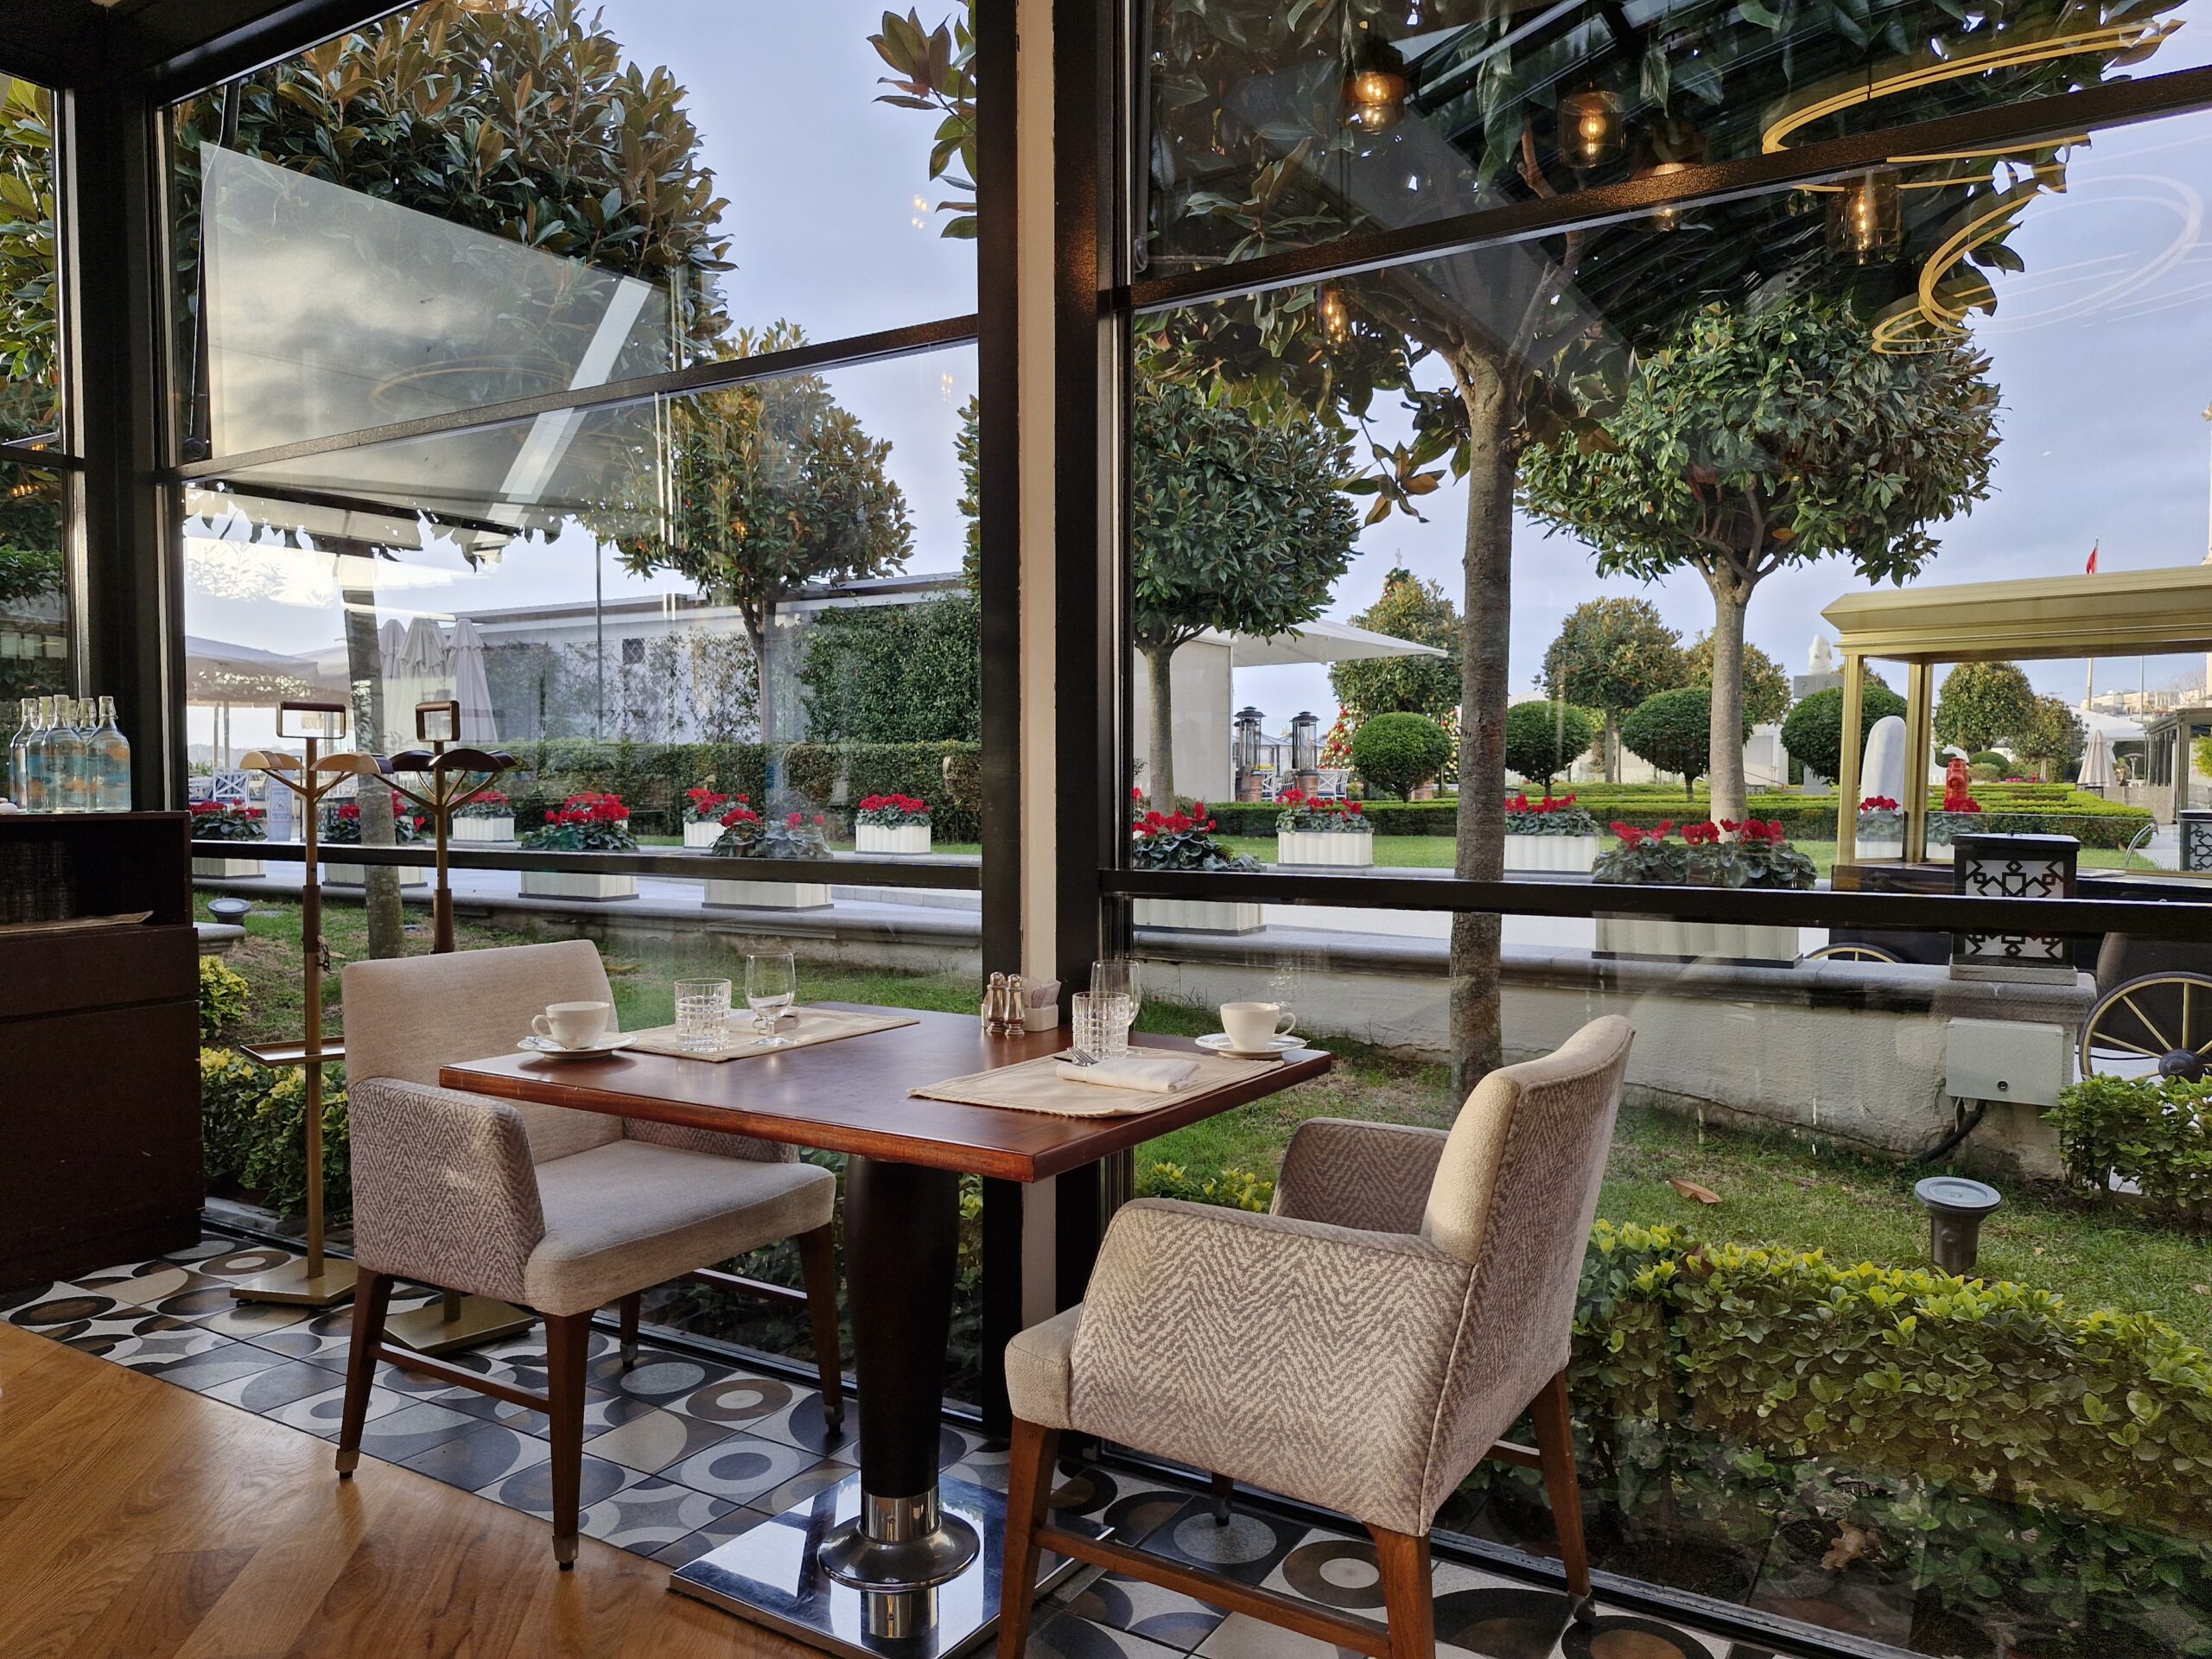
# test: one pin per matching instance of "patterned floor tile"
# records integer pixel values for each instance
(478, 1458)
(801, 1486)
(655, 1439)
(280, 1385)
(191, 1255)
(713, 1535)
(1248, 1549)
(1067, 1636)
(531, 1490)
(146, 1283)
(658, 1376)
(319, 1413)
(1615, 1632)
(1145, 1610)
(148, 1343)
(795, 1418)
(741, 1468)
(417, 1427)
(323, 1337)
(231, 1363)
(64, 1305)
(244, 1261)
(210, 1299)
(25, 1295)
(246, 1321)
(651, 1514)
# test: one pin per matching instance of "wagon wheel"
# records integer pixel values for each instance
(1851, 953)
(2158, 1023)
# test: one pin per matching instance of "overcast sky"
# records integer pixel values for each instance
(2100, 349)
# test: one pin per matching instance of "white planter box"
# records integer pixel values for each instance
(1668, 940)
(337, 874)
(1345, 849)
(1560, 854)
(1200, 915)
(563, 884)
(484, 828)
(767, 895)
(227, 869)
(896, 840)
(702, 834)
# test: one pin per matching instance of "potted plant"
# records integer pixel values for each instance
(892, 823)
(1723, 855)
(228, 821)
(1881, 826)
(702, 815)
(746, 833)
(588, 823)
(341, 826)
(1553, 835)
(1185, 840)
(1309, 830)
(487, 815)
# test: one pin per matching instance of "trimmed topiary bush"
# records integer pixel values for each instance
(1813, 731)
(1398, 752)
(1674, 732)
(1543, 740)
(2156, 1132)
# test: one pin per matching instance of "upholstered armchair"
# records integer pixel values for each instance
(556, 1210)
(1360, 1348)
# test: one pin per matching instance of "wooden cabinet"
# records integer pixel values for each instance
(100, 1078)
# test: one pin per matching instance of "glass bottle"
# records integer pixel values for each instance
(19, 755)
(65, 754)
(38, 795)
(107, 761)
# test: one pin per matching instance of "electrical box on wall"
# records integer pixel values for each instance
(2006, 1060)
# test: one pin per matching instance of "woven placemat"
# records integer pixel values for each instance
(1037, 1086)
(808, 1027)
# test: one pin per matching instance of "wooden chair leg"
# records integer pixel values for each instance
(567, 1346)
(629, 1306)
(1408, 1601)
(372, 1299)
(817, 1258)
(1222, 1488)
(1028, 1502)
(1554, 1423)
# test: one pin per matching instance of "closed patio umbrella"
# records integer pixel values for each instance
(423, 676)
(2097, 761)
(470, 686)
(390, 638)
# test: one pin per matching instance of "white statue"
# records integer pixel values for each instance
(1822, 660)
(1882, 771)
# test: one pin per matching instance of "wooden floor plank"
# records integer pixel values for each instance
(141, 1520)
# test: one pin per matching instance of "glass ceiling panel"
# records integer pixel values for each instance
(1273, 127)
(329, 311)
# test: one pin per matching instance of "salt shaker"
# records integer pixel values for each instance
(994, 1006)
(1010, 1011)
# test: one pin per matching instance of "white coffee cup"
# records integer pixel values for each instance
(572, 1025)
(1253, 1026)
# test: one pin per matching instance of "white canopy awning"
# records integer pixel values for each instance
(1319, 641)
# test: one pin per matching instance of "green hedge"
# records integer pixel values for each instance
(222, 997)
(651, 778)
(253, 1122)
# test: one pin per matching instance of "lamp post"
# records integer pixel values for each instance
(312, 1281)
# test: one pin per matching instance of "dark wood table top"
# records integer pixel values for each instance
(850, 1096)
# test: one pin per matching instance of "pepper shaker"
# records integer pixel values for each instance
(994, 1006)
(1010, 1023)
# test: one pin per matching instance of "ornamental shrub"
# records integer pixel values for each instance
(1397, 753)
(2156, 1132)
(1233, 1187)
(1543, 740)
(228, 821)
(485, 804)
(746, 834)
(1997, 760)
(253, 1120)
(1181, 840)
(1674, 732)
(588, 823)
(222, 997)
(1813, 731)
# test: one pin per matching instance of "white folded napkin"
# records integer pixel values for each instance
(1153, 1077)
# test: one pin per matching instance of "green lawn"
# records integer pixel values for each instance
(1434, 853)
(1774, 1191)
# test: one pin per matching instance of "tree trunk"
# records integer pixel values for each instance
(1159, 755)
(1486, 617)
(365, 673)
(1725, 768)
(1612, 748)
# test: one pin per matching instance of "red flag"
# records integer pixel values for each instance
(2092, 555)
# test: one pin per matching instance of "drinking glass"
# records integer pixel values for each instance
(771, 987)
(1113, 1002)
(1083, 1025)
(1282, 991)
(702, 1014)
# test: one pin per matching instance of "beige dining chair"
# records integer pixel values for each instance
(1362, 1348)
(559, 1211)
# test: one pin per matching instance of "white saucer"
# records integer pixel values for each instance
(1218, 1043)
(547, 1048)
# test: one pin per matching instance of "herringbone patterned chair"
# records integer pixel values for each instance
(556, 1210)
(1362, 1348)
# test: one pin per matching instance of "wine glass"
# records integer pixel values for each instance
(1114, 995)
(771, 987)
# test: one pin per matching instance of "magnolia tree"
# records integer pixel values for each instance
(1752, 440)
(1983, 704)
(1766, 682)
(2053, 737)
(1421, 611)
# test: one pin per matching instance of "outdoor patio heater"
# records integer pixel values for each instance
(1306, 749)
(1248, 754)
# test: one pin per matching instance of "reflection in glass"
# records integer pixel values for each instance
(33, 590)
(30, 268)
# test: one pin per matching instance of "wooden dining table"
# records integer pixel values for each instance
(893, 1559)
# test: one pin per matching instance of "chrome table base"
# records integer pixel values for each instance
(898, 1543)
(781, 1572)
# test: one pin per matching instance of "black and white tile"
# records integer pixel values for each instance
(742, 1467)
(651, 1514)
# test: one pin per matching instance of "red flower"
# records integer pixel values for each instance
(817, 817)
(1877, 803)
(1355, 808)
(1136, 794)
(796, 819)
